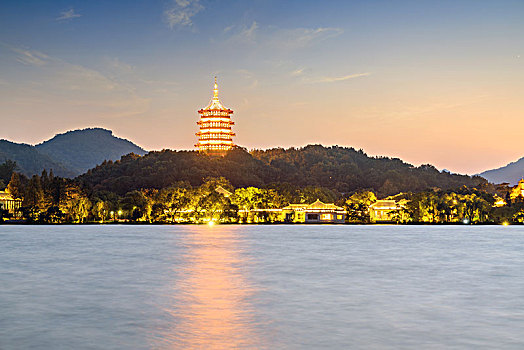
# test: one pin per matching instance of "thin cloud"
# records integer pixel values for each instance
(228, 28)
(273, 38)
(303, 37)
(298, 72)
(181, 12)
(344, 78)
(67, 15)
(249, 33)
(243, 34)
(116, 64)
(249, 77)
(30, 57)
(80, 87)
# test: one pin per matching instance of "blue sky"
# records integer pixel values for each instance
(428, 81)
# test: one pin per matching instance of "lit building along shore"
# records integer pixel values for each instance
(215, 135)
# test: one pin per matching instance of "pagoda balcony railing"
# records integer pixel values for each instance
(215, 124)
(218, 139)
(215, 132)
(215, 146)
(215, 112)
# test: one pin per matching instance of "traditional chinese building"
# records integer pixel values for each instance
(317, 212)
(215, 135)
(386, 210)
(8, 202)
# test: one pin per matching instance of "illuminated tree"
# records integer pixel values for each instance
(15, 186)
(33, 198)
(357, 206)
(75, 204)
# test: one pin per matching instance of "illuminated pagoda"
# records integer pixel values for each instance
(215, 135)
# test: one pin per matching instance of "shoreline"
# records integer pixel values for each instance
(258, 224)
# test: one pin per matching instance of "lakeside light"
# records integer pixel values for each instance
(211, 223)
(505, 223)
(465, 221)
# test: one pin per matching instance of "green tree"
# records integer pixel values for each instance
(33, 198)
(357, 206)
(75, 204)
(15, 186)
(134, 205)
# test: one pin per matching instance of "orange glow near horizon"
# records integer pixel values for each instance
(429, 82)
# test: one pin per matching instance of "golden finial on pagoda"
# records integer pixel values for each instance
(215, 90)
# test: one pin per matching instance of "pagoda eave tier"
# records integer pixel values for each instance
(207, 145)
(227, 121)
(227, 110)
(215, 141)
(215, 148)
(230, 134)
(215, 120)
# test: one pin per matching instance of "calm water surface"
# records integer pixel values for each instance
(261, 287)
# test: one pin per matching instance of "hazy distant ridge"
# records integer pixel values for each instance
(511, 173)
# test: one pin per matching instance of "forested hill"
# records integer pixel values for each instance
(30, 161)
(81, 150)
(337, 168)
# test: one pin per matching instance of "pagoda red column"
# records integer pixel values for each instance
(215, 135)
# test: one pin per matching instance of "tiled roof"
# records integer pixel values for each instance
(5, 196)
(215, 103)
(318, 205)
(385, 204)
(223, 191)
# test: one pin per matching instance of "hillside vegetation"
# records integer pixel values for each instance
(339, 169)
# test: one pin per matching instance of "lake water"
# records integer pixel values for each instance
(261, 287)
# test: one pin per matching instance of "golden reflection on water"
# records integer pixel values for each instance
(211, 308)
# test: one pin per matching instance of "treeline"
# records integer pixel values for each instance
(342, 170)
(464, 205)
(51, 199)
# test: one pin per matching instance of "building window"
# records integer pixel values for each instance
(312, 216)
(326, 217)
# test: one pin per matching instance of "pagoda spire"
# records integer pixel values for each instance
(215, 90)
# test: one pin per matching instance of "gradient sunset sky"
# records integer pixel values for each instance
(438, 82)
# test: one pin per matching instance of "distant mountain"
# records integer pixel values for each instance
(81, 150)
(511, 173)
(69, 154)
(30, 161)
